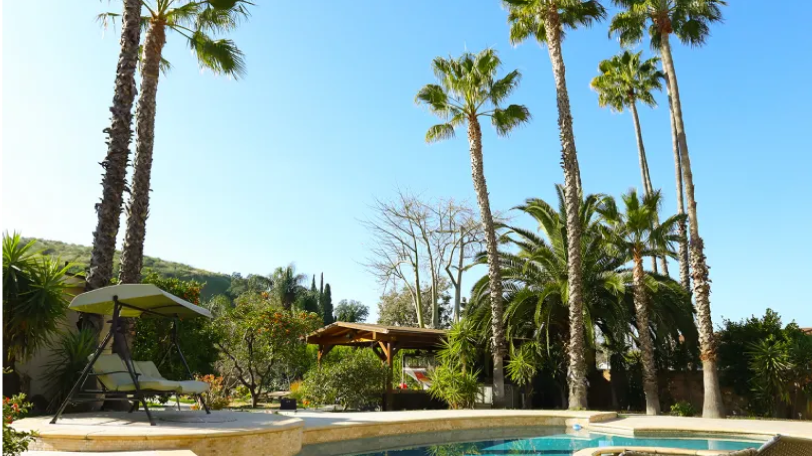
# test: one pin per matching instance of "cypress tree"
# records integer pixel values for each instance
(327, 305)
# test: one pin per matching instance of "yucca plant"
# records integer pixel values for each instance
(68, 357)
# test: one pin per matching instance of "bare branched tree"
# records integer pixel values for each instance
(413, 237)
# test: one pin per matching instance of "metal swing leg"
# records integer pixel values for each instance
(83, 377)
(128, 362)
(186, 365)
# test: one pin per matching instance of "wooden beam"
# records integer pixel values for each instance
(377, 350)
(323, 351)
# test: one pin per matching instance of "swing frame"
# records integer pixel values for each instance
(79, 395)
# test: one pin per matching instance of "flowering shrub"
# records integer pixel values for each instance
(14, 442)
(355, 382)
(260, 338)
(215, 398)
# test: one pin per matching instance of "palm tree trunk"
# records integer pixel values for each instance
(684, 273)
(648, 188)
(572, 199)
(713, 406)
(494, 276)
(132, 255)
(644, 336)
(115, 163)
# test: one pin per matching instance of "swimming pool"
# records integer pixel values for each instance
(562, 444)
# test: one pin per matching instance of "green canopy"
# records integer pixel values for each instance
(136, 299)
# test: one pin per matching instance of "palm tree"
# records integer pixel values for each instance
(535, 280)
(690, 21)
(684, 270)
(119, 133)
(635, 235)
(287, 285)
(467, 90)
(547, 20)
(625, 80)
(194, 21)
(34, 301)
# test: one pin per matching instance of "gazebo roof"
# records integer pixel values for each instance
(360, 334)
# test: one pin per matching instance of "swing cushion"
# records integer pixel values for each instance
(186, 386)
(114, 377)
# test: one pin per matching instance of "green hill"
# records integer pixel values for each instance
(216, 283)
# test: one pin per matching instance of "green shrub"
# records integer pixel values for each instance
(683, 408)
(68, 359)
(450, 384)
(14, 442)
(356, 382)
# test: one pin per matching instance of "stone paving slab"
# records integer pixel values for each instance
(660, 425)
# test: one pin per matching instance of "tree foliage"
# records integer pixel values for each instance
(257, 335)
(351, 311)
(355, 379)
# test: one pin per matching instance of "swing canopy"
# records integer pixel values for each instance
(136, 300)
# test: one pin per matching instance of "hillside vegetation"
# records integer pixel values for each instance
(216, 283)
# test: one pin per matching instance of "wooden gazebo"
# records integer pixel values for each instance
(385, 341)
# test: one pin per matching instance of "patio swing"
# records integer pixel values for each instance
(121, 378)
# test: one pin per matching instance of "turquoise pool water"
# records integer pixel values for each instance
(562, 445)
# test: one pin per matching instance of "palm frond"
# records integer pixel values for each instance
(505, 120)
(221, 55)
(440, 132)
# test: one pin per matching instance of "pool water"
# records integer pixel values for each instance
(562, 445)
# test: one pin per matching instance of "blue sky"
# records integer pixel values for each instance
(280, 165)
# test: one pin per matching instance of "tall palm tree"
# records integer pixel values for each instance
(623, 81)
(194, 21)
(690, 21)
(536, 283)
(635, 235)
(547, 20)
(684, 270)
(119, 134)
(287, 285)
(467, 90)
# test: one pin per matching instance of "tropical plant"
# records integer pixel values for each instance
(457, 388)
(351, 311)
(461, 345)
(34, 299)
(635, 235)
(468, 89)
(15, 442)
(195, 21)
(287, 285)
(119, 134)
(547, 21)
(623, 81)
(355, 380)
(523, 367)
(68, 357)
(690, 21)
(536, 284)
